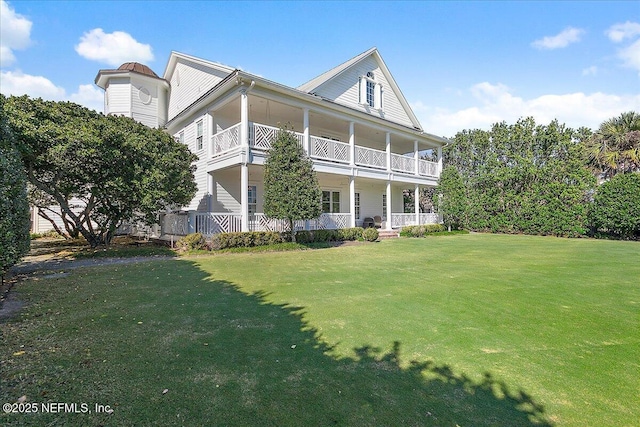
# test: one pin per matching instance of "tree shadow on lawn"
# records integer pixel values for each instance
(272, 368)
(230, 358)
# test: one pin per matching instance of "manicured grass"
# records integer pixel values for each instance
(470, 330)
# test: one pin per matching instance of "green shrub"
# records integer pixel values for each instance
(192, 242)
(370, 234)
(349, 234)
(616, 207)
(422, 230)
(246, 240)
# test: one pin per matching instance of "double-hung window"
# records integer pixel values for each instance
(357, 204)
(370, 91)
(330, 202)
(253, 199)
(199, 135)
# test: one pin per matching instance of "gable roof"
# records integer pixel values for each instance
(312, 85)
(173, 60)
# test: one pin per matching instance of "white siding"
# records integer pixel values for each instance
(200, 200)
(144, 112)
(189, 82)
(344, 89)
(226, 188)
(118, 97)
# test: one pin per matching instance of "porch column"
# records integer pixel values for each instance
(244, 160)
(416, 202)
(352, 200)
(305, 124)
(352, 144)
(210, 184)
(244, 119)
(439, 160)
(416, 157)
(244, 196)
(388, 222)
(388, 143)
(209, 134)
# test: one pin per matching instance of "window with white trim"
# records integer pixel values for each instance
(356, 200)
(370, 91)
(180, 138)
(253, 199)
(199, 135)
(330, 201)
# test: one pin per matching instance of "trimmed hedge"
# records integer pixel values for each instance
(246, 240)
(421, 230)
(192, 242)
(615, 210)
(370, 234)
(341, 235)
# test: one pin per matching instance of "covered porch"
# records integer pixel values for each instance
(347, 200)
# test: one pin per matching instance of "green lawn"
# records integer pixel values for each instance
(468, 330)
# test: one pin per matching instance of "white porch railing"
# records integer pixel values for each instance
(370, 157)
(403, 163)
(226, 139)
(399, 220)
(333, 221)
(430, 218)
(428, 168)
(260, 136)
(322, 148)
(209, 223)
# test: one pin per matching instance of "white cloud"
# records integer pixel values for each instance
(15, 33)
(497, 103)
(620, 32)
(563, 39)
(113, 48)
(590, 71)
(89, 96)
(630, 55)
(17, 83)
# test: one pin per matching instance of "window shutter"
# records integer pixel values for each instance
(363, 91)
(377, 99)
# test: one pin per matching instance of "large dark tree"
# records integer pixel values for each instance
(523, 178)
(14, 208)
(291, 190)
(120, 169)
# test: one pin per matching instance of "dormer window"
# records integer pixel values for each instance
(370, 91)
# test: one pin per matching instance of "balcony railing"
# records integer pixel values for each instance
(210, 223)
(261, 136)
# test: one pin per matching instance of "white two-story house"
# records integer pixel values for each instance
(353, 122)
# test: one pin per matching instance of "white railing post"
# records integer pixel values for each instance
(305, 119)
(388, 149)
(209, 135)
(352, 201)
(244, 119)
(352, 144)
(416, 157)
(244, 195)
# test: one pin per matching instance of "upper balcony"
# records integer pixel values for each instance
(325, 152)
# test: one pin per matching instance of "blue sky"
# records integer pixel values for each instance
(459, 64)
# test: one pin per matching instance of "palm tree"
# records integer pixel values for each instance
(615, 147)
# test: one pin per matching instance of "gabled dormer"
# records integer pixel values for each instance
(365, 83)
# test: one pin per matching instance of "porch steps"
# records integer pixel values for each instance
(388, 234)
